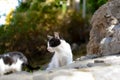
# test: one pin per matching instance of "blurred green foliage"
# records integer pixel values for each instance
(93, 5)
(27, 30)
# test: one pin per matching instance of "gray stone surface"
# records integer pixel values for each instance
(17, 76)
(101, 68)
(105, 32)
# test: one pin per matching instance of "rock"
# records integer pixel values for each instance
(17, 76)
(106, 73)
(105, 32)
(64, 74)
(102, 68)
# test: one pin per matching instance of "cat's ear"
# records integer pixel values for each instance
(49, 37)
(56, 34)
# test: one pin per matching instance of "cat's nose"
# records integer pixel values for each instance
(48, 49)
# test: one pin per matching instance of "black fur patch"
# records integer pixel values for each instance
(11, 57)
(8, 60)
(54, 42)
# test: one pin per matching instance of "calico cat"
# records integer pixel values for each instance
(62, 51)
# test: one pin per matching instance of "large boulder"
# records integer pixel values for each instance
(105, 32)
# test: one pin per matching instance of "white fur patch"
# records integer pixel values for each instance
(4, 68)
(62, 56)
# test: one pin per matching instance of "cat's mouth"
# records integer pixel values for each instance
(50, 50)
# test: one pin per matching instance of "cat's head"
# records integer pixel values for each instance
(53, 41)
(12, 57)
